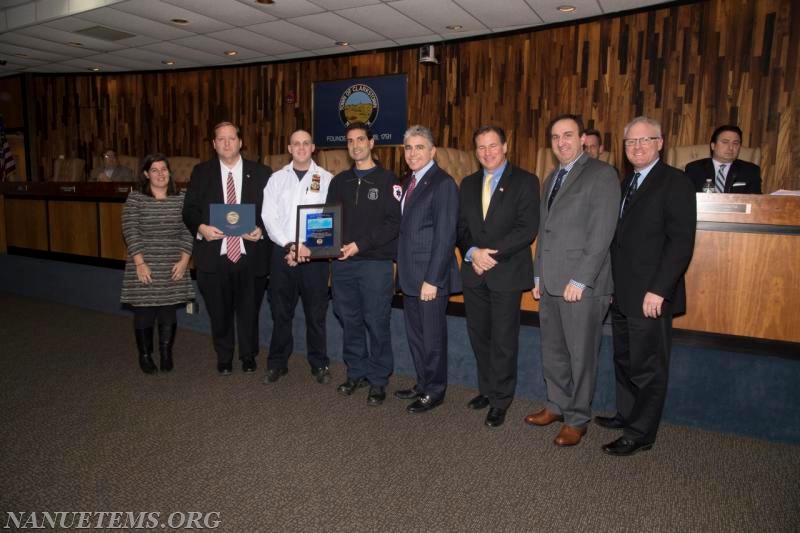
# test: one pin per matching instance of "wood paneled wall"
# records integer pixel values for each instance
(692, 66)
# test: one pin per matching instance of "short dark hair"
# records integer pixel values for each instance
(596, 133)
(358, 125)
(722, 129)
(566, 116)
(487, 129)
(144, 183)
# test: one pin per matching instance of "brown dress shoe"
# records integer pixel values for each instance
(543, 418)
(569, 436)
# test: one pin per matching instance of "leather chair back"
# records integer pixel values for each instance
(334, 161)
(132, 162)
(680, 156)
(457, 163)
(277, 161)
(69, 169)
(181, 167)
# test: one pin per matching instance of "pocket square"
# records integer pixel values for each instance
(739, 184)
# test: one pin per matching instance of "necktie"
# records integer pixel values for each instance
(634, 185)
(411, 186)
(232, 243)
(556, 186)
(720, 181)
(486, 197)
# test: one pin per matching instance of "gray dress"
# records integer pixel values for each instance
(155, 229)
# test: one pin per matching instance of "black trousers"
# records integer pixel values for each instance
(309, 282)
(233, 296)
(493, 327)
(641, 365)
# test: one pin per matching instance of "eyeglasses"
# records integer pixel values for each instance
(644, 141)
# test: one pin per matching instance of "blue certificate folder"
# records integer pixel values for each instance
(233, 219)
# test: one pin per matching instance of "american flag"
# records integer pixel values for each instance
(7, 162)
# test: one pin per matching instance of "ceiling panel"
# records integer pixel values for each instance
(336, 27)
(288, 29)
(385, 20)
(233, 13)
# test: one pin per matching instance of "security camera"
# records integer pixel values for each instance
(427, 54)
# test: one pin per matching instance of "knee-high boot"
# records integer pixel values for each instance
(166, 338)
(144, 342)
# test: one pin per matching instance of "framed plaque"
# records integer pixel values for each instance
(233, 220)
(319, 228)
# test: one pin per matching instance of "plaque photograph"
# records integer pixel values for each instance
(319, 228)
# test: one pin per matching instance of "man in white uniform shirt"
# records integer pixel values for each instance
(301, 182)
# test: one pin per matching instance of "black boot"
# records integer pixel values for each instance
(166, 338)
(144, 342)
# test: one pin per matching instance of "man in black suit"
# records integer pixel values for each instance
(231, 271)
(426, 266)
(650, 252)
(728, 173)
(498, 220)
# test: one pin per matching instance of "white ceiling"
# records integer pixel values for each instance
(35, 36)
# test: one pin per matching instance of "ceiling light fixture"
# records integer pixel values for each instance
(21, 55)
(75, 43)
(230, 52)
(455, 27)
(169, 62)
(95, 69)
(566, 9)
(180, 22)
(342, 43)
(265, 1)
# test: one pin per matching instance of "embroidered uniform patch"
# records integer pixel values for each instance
(372, 194)
(397, 190)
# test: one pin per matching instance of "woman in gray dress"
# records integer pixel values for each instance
(156, 280)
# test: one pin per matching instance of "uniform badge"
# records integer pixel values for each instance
(372, 194)
(315, 183)
(397, 190)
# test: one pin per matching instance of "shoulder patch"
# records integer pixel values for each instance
(397, 190)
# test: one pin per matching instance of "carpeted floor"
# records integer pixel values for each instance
(84, 430)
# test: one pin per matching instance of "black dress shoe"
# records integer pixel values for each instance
(224, 369)
(321, 374)
(376, 395)
(274, 374)
(349, 387)
(423, 404)
(248, 366)
(624, 447)
(478, 402)
(610, 422)
(407, 394)
(495, 417)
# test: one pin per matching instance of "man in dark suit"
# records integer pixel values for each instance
(572, 274)
(650, 252)
(728, 173)
(426, 267)
(498, 220)
(231, 271)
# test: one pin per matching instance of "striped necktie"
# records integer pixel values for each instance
(233, 244)
(632, 188)
(720, 181)
(556, 186)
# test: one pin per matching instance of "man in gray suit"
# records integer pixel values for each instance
(572, 276)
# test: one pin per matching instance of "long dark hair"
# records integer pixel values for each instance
(144, 183)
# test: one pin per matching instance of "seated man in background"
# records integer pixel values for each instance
(728, 173)
(593, 145)
(111, 170)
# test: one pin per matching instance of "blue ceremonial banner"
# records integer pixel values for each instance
(380, 102)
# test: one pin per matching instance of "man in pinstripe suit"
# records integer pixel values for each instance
(426, 266)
